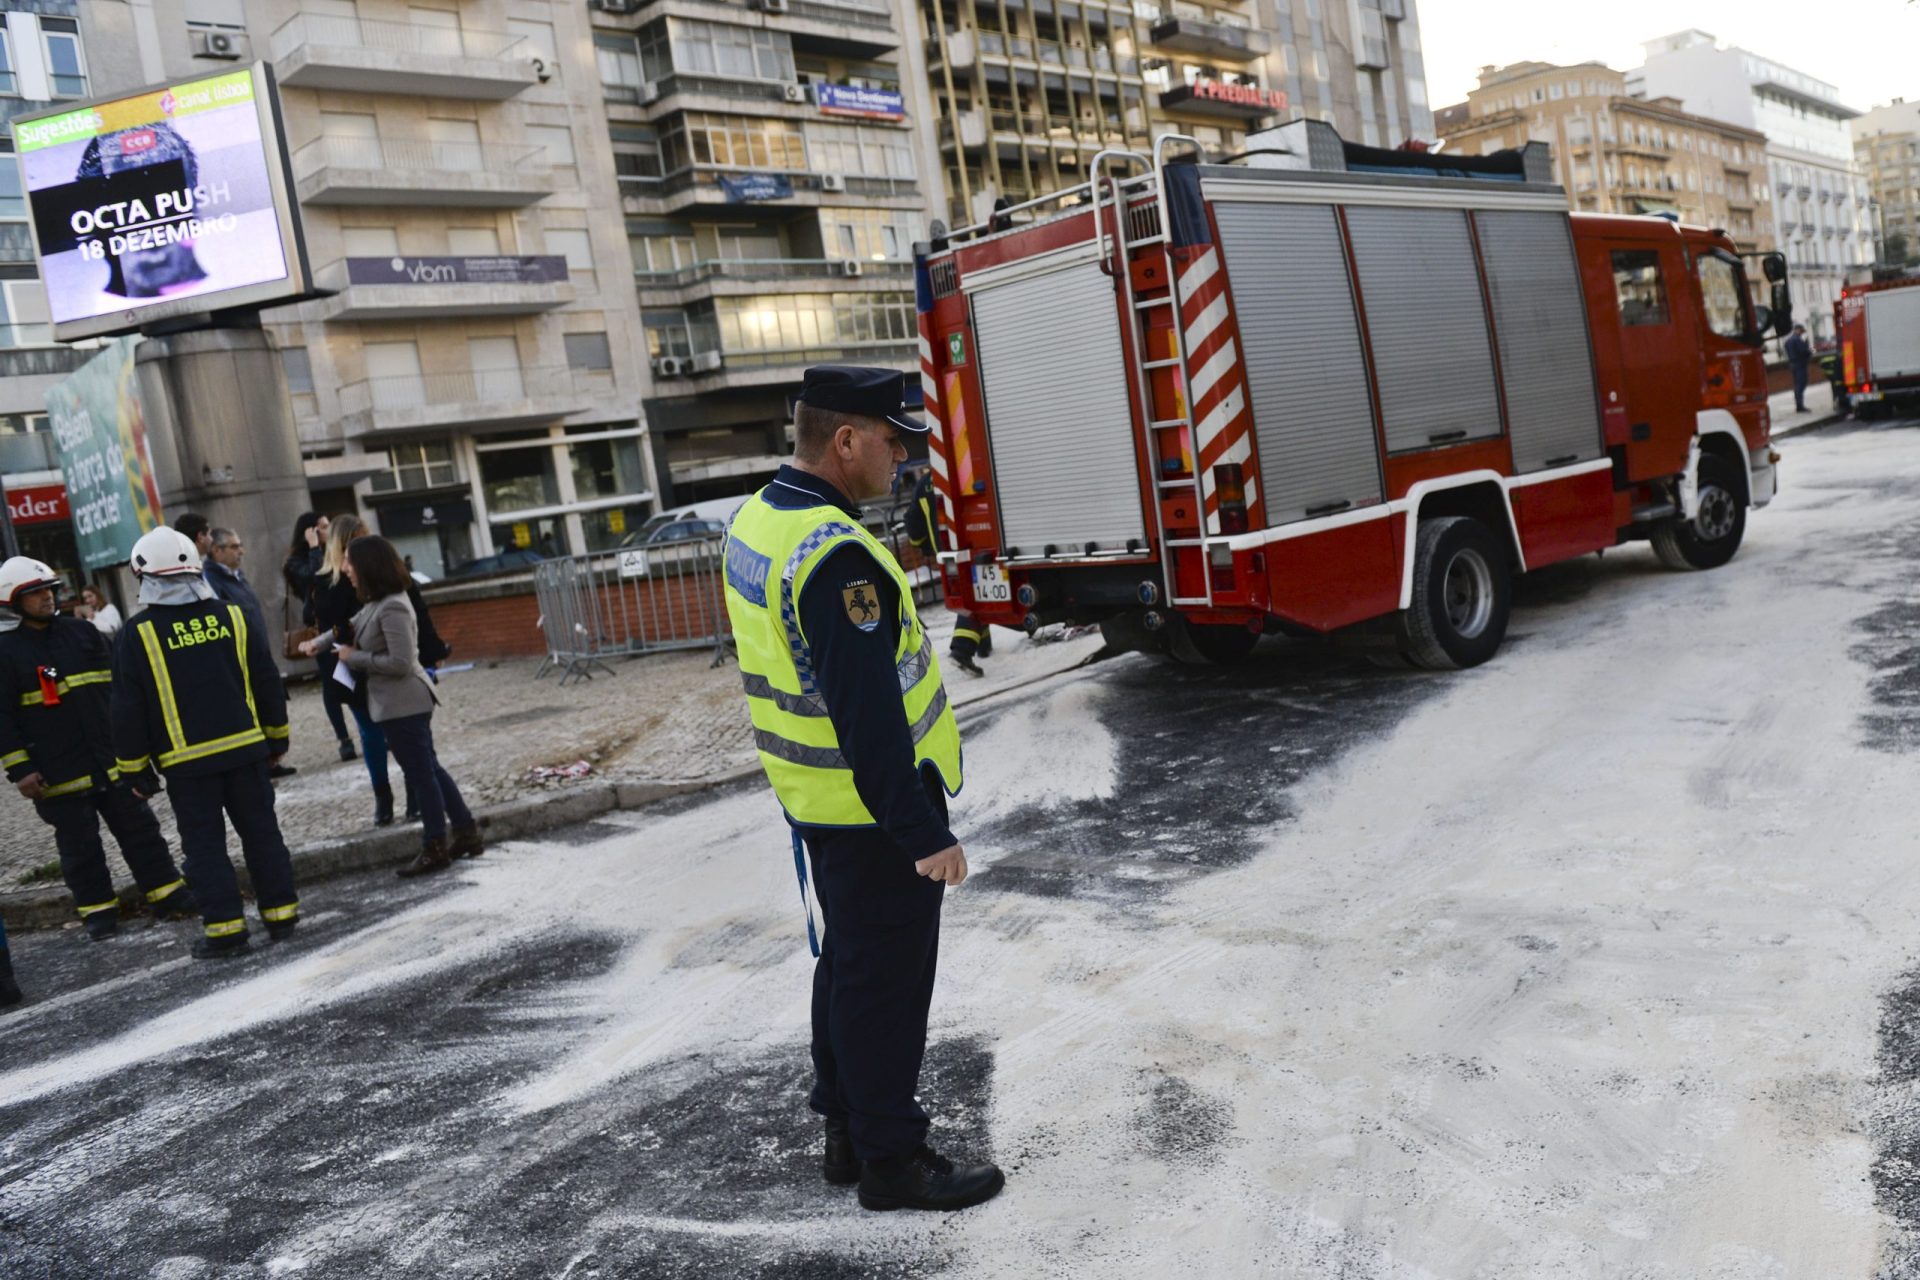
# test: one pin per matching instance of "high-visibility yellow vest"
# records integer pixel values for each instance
(770, 554)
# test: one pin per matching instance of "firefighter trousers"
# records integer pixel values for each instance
(83, 858)
(202, 806)
(971, 638)
(872, 987)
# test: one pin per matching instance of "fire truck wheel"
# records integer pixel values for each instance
(1202, 645)
(1462, 591)
(1709, 539)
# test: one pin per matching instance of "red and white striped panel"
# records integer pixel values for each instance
(1216, 384)
(930, 409)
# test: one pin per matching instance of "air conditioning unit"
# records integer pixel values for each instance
(849, 267)
(705, 362)
(646, 92)
(770, 6)
(615, 6)
(228, 46)
(833, 182)
(795, 92)
(668, 366)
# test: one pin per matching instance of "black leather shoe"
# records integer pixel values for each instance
(840, 1167)
(346, 750)
(925, 1179)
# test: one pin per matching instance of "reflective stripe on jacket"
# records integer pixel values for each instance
(196, 691)
(69, 744)
(770, 553)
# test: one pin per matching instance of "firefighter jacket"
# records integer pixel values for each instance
(68, 741)
(195, 691)
(771, 553)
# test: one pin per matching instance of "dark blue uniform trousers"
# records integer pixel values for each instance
(872, 986)
(83, 859)
(202, 804)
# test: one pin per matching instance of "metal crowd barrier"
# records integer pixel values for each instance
(623, 603)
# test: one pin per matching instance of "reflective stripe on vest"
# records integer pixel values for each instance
(183, 751)
(770, 554)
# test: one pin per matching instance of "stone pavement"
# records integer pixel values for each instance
(659, 725)
(1820, 409)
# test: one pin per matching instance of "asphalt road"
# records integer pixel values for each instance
(1597, 961)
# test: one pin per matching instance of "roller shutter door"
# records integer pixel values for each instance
(1300, 344)
(1064, 444)
(1427, 323)
(1540, 324)
(1893, 333)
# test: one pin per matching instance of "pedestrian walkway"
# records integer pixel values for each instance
(1820, 409)
(670, 718)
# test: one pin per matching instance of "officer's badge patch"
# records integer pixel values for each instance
(863, 604)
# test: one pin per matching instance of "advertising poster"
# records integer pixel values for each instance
(849, 100)
(152, 199)
(100, 435)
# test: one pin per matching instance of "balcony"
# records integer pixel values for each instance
(857, 30)
(710, 368)
(735, 276)
(702, 185)
(961, 49)
(426, 288)
(413, 171)
(357, 55)
(1212, 39)
(28, 351)
(474, 397)
(1218, 98)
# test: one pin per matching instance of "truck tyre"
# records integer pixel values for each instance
(1462, 593)
(1709, 539)
(1199, 644)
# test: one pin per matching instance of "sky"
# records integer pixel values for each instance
(1863, 47)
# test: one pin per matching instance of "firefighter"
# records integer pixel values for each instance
(971, 638)
(196, 697)
(860, 745)
(56, 740)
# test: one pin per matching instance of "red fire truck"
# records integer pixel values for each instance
(1330, 388)
(1878, 323)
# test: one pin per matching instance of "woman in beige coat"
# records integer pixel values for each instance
(385, 653)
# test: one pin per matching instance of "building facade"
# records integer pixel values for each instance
(769, 161)
(1025, 94)
(1618, 154)
(1820, 202)
(1886, 149)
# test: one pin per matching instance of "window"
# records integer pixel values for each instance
(606, 468)
(8, 85)
(65, 67)
(574, 246)
(473, 242)
(426, 464)
(556, 140)
(370, 242)
(455, 144)
(588, 351)
(1722, 293)
(299, 369)
(1641, 289)
(518, 479)
(619, 61)
(536, 41)
(13, 202)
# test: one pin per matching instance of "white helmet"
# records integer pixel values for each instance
(23, 574)
(165, 553)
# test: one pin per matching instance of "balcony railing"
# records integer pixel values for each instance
(1188, 35)
(769, 269)
(471, 388)
(412, 155)
(699, 176)
(390, 37)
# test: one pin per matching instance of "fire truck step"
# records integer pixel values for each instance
(1159, 423)
(1143, 303)
(1653, 511)
(1162, 238)
(1194, 600)
(1161, 364)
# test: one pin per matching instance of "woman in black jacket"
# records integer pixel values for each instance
(298, 572)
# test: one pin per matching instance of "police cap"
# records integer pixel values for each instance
(871, 393)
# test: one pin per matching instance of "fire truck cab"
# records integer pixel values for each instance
(1331, 388)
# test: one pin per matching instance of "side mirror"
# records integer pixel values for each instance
(1781, 310)
(1774, 267)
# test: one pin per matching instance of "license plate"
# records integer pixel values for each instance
(990, 585)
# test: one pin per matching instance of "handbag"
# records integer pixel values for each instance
(295, 636)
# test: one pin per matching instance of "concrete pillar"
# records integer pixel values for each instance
(220, 426)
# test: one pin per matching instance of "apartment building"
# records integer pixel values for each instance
(1821, 213)
(769, 161)
(43, 61)
(1026, 93)
(1886, 150)
(1618, 154)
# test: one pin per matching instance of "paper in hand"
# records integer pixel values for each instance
(343, 674)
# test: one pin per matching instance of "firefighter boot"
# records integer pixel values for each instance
(433, 857)
(177, 905)
(840, 1167)
(102, 923)
(466, 842)
(925, 1179)
(224, 947)
(967, 664)
(9, 989)
(383, 804)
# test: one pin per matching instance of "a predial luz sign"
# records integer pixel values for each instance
(100, 435)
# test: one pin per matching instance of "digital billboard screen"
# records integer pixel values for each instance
(172, 201)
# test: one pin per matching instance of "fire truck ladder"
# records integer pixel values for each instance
(1138, 226)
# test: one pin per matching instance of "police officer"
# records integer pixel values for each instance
(971, 638)
(196, 695)
(856, 736)
(56, 740)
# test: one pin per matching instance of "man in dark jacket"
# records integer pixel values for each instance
(57, 745)
(196, 697)
(226, 579)
(1799, 355)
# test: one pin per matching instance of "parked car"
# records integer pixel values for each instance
(515, 558)
(715, 511)
(686, 531)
